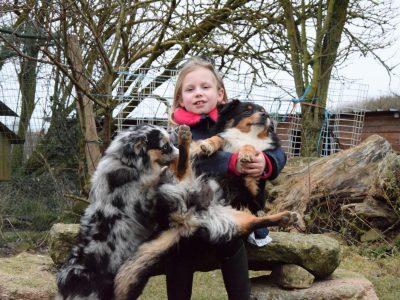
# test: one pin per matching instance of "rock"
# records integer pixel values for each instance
(27, 276)
(317, 253)
(372, 235)
(342, 284)
(62, 238)
(291, 276)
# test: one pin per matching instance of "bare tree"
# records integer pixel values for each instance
(24, 41)
(321, 36)
(306, 39)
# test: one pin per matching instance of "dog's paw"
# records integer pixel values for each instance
(206, 148)
(245, 157)
(260, 213)
(290, 219)
(184, 135)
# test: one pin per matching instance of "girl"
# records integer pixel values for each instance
(199, 88)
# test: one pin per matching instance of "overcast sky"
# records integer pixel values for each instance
(368, 71)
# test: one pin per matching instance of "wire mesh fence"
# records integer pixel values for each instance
(11, 100)
(144, 96)
(141, 101)
(39, 194)
(34, 192)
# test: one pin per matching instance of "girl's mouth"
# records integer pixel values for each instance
(199, 102)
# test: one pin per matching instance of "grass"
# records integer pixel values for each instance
(206, 286)
(22, 240)
(16, 274)
(383, 271)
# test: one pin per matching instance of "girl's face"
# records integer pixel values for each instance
(200, 92)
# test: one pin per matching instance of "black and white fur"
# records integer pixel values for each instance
(122, 213)
(138, 209)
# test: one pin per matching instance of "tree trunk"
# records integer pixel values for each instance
(85, 110)
(27, 82)
(360, 185)
(330, 21)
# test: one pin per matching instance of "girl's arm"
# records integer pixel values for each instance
(278, 159)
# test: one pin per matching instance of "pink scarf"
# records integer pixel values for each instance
(183, 117)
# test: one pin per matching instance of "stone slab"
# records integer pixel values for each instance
(341, 285)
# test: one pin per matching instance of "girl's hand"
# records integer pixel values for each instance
(255, 168)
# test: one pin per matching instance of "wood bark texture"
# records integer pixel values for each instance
(362, 183)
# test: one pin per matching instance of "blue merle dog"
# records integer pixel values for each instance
(144, 198)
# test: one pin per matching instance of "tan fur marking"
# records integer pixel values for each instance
(247, 222)
(128, 271)
(211, 145)
(244, 221)
(216, 141)
(243, 125)
(263, 135)
(155, 158)
(247, 153)
(252, 184)
(181, 167)
(174, 166)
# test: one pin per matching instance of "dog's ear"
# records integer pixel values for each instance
(173, 135)
(135, 146)
(225, 113)
(226, 109)
(271, 127)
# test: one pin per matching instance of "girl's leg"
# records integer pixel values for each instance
(179, 275)
(234, 269)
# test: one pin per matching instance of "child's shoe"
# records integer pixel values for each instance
(259, 237)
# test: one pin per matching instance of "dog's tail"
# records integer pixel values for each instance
(134, 273)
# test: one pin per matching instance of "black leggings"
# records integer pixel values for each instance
(187, 256)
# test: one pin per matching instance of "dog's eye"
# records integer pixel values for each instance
(247, 113)
(166, 148)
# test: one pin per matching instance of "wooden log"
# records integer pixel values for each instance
(362, 182)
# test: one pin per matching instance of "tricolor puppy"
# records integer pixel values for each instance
(241, 127)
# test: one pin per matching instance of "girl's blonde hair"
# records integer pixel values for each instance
(191, 65)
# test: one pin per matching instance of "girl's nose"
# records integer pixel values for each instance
(198, 92)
